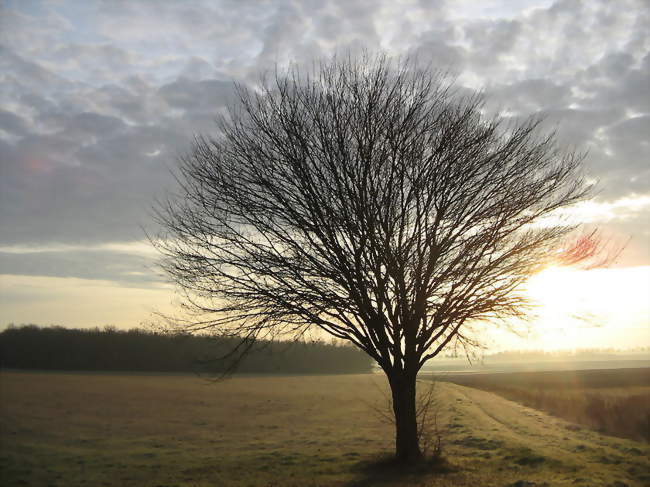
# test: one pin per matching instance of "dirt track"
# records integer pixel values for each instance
(542, 447)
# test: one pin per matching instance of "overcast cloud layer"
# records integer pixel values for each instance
(97, 99)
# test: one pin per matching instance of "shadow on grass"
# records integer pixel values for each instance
(386, 470)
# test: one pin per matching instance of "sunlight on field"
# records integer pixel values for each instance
(596, 308)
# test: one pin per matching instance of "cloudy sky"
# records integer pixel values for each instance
(98, 99)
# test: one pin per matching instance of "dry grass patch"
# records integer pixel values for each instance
(614, 401)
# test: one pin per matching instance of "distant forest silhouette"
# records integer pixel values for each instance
(110, 349)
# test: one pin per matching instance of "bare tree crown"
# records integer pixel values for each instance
(367, 199)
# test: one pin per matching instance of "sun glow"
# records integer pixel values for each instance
(595, 308)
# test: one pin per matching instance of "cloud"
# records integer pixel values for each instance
(121, 267)
(98, 99)
(198, 96)
(12, 123)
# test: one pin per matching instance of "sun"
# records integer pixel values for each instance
(553, 287)
(573, 306)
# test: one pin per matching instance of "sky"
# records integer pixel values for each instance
(98, 99)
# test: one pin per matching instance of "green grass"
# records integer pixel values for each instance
(157, 430)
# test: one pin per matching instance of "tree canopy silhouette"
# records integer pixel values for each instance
(370, 200)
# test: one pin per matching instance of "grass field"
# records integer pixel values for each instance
(165, 431)
(615, 402)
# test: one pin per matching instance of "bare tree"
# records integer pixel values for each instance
(369, 200)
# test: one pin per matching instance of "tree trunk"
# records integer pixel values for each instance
(407, 448)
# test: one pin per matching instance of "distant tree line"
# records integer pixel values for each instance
(573, 354)
(110, 349)
(576, 354)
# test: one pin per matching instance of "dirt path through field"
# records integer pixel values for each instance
(541, 447)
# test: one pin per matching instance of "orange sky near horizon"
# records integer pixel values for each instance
(600, 308)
